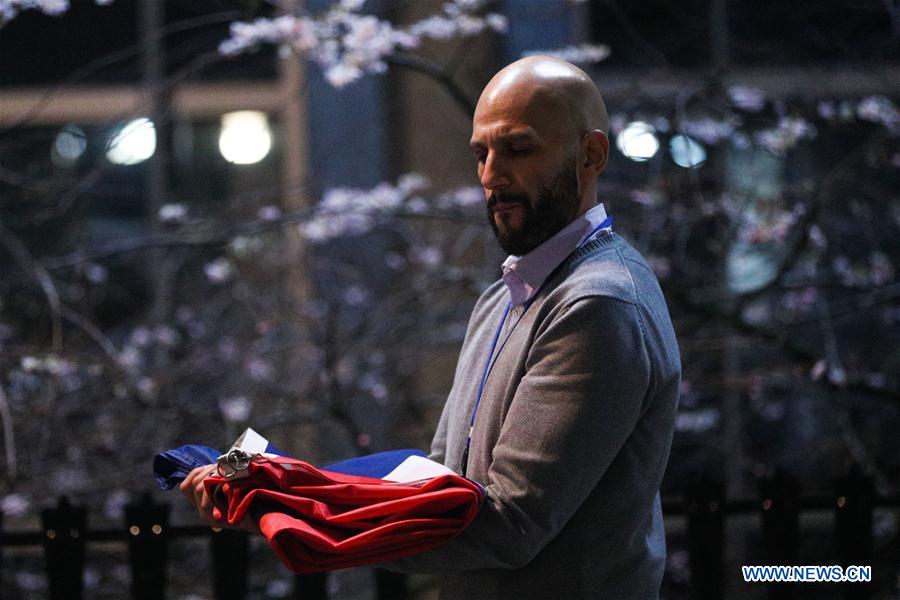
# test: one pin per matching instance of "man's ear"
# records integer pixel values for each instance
(596, 151)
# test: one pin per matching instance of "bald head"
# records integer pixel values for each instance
(539, 137)
(547, 83)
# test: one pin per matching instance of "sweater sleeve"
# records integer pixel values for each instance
(439, 441)
(587, 376)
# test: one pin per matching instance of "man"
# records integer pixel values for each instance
(565, 393)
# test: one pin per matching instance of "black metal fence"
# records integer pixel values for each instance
(779, 507)
(147, 533)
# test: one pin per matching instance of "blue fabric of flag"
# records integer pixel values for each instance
(373, 465)
(172, 466)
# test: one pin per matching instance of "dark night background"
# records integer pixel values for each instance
(319, 295)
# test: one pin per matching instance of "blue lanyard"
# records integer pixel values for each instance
(607, 223)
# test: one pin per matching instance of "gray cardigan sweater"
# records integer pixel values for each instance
(571, 437)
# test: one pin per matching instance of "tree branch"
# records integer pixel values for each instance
(25, 260)
(432, 70)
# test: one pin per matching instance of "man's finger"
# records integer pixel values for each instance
(187, 485)
(196, 476)
(201, 498)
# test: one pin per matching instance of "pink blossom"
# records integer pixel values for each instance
(10, 8)
(173, 213)
(462, 198)
(786, 135)
(826, 109)
(219, 270)
(14, 505)
(373, 384)
(347, 45)
(697, 421)
(412, 182)
(130, 359)
(747, 98)
(646, 197)
(837, 376)
(341, 74)
(165, 335)
(818, 370)
(817, 236)
(350, 211)
(430, 256)
(708, 130)
(881, 270)
(141, 337)
(355, 295)
(55, 8)
(28, 581)
(236, 409)
(879, 109)
(269, 213)
(95, 273)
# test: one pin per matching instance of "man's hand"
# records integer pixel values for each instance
(194, 490)
(192, 487)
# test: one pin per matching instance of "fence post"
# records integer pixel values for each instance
(312, 586)
(148, 547)
(230, 555)
(64, 530)
(854, 502)
(780, 513)
(390, 585)
(705, 513)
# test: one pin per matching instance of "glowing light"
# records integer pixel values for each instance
(245, 138)
(132, 144)
(69, 145)
(686, 152)
(638, 141)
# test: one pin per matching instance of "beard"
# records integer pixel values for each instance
(555, 206)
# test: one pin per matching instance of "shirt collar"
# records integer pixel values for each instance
(524, 275)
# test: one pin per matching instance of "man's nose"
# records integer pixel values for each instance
(493, 174)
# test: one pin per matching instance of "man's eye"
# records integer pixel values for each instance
(518, 150)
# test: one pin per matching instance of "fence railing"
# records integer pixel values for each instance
(147, 534)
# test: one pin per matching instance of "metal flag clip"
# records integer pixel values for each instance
(233, 462)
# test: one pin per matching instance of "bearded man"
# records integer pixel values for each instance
(564, 397)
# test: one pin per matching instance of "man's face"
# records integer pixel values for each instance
(527, 167)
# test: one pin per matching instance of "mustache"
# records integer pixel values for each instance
(495, 198)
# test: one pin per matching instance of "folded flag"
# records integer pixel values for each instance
(357, 512)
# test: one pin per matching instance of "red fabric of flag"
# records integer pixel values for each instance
(317, 520)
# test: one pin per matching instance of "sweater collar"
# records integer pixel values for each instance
(524, 275)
